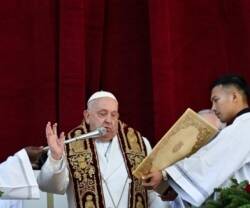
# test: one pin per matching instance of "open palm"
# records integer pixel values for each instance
(56, 144)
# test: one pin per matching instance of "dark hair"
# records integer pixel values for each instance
(238, 81)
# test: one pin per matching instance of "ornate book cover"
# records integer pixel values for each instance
(188, 134)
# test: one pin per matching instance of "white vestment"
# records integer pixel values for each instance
(17, 179)
(54, 177)
(4, 203)
(227, 156)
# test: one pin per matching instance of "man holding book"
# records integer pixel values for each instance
(227, 156)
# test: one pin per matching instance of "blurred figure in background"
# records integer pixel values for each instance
(17, 179)
(210, 116)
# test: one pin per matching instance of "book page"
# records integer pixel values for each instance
(189, 133)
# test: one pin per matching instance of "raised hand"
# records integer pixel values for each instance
(56, 144)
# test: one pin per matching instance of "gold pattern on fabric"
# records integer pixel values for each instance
(134, 151)
(85, 171)
(189, 133)
(89, 202)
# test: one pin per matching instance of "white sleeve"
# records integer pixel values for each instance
(11, 203)
(147, 144)
(154, 199)
(54, 176)
(195, 178)
(17, 179)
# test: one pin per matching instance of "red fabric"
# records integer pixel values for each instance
(28, 66)
(193, 42)
(157, 56)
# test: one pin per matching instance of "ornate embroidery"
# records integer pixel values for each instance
(89, 202)
(84, 167)
(134, 151)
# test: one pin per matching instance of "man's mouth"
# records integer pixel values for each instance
(108, 129)
(217, 114)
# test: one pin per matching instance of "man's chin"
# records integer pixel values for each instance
(107, 137)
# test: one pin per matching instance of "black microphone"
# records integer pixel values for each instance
(93, 134)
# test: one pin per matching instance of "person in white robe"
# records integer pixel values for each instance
(225, 157)
(17, 179)
(55, 176)
(4, 203)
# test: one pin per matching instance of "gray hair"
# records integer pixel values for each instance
(205, 112)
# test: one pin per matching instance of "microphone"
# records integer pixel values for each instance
(93, 134)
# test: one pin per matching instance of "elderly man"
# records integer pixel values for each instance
(210, 116)
(228, 155)
(98, 172)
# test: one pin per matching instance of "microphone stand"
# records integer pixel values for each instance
(93, 134)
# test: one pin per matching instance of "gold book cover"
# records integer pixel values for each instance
(188, 134)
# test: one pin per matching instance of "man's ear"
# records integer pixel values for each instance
(86, 116)
(235, 96)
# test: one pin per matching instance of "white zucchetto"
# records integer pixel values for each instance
(101, 94)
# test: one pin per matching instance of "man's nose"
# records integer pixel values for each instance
(213, 108)
(108, 118)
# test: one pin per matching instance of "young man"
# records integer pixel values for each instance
(227, 156)
(98, 172)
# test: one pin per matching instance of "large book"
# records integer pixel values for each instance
(188, 134)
